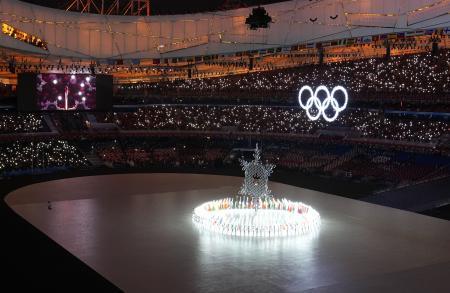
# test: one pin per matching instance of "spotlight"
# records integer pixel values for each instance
(88, 79)
(83, 99)
(59, 98)
(82, 84)
(55, 81)
(72, 76)
(79, 93)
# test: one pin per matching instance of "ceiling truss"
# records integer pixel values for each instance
(111, 7)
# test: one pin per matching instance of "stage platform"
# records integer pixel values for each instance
(136, 231)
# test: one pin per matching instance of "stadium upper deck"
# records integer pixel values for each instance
(40, 30)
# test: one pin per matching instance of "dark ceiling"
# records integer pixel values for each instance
(159, 7)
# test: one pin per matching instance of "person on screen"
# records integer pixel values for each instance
(66, 97)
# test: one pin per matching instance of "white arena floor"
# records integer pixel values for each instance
(136, 230)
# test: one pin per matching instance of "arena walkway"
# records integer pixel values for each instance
(136, 231)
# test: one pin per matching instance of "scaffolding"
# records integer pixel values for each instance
(111, 7)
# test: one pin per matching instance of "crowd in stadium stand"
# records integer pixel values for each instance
(20, 157)
(321, 148)
(17, 123)
(257, 119)
(407, 77)
(366, 163)
(5, 90)
(287, 120)
(67, 122)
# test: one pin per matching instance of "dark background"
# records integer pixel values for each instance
(26, 92)
(104, 92)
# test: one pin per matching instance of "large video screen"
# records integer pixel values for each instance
(66, 92)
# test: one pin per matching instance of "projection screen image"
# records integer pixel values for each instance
(66, 92)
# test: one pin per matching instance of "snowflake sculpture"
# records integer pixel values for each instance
(256, 178)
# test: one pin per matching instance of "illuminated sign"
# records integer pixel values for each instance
(23, 36)
(329, 103)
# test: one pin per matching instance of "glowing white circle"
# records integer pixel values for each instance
(314, 102)
(274, 218)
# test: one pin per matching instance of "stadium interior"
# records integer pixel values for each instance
(101, 87)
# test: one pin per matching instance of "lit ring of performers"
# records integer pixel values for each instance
(274, 217)
(313, 101)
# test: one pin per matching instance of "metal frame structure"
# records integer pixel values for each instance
(115, 7)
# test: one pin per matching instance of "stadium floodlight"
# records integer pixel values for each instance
(314, 102)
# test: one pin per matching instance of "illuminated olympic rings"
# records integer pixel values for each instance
(314, 102)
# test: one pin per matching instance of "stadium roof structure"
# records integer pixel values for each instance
(40, 30)
(139, 7)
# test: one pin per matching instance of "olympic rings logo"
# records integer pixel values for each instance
(330, 101)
